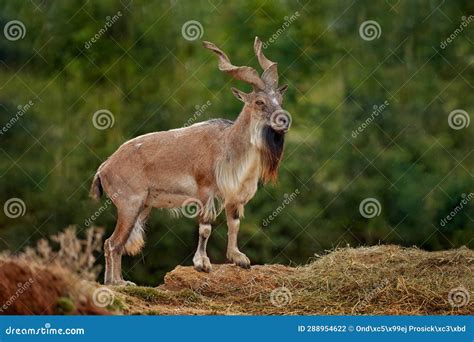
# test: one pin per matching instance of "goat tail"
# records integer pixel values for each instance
(96, 188)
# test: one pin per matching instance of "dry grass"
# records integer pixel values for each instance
(48, 279)
(378, 280)
(73, 253)
(383, 280)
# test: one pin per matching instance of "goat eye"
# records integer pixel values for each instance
(260, 103)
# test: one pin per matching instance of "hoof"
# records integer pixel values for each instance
(202, 264)
(121, 282)
(240, 259)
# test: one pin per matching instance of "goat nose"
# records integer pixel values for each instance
(280, 120)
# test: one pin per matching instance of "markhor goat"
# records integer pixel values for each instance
(216, 161)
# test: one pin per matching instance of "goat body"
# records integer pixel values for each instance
(214, 164)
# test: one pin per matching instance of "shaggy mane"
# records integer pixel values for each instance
(272, 153)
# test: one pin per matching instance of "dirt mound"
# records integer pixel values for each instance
(187, 291)
(380, 280)
(225, 279)
(377, 280)
(27, 289)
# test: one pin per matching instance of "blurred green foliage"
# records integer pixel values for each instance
(151, 79)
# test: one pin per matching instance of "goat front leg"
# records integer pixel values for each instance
(233, 214)
(201, 260)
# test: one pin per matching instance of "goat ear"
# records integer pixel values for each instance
(240, 95)
(282, 90)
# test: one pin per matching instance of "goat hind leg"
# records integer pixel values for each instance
(114, 247)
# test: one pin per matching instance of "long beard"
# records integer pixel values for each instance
(272, 153)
